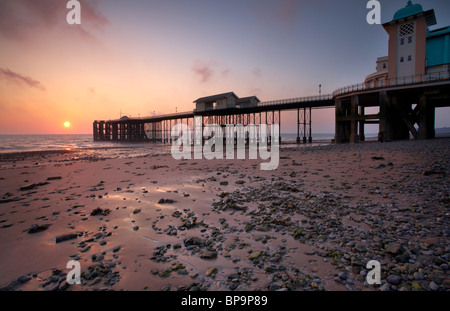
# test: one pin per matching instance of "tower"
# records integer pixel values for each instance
(407, 40)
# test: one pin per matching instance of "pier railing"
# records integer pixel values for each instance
(296, 100)
(403, 81)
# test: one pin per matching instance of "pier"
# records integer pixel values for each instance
(158, 128)
(406, 108)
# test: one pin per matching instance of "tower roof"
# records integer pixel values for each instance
(409, 10)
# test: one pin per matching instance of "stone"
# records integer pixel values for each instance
(394, 279)
(65, 237)
(207, 254)
(416, 285)
(100, 211)
(342, 275)
(433, 286)
(54, 178)
(394, 248)
(418, 276)
(24, 278)
(254, 255)
(38, 228)
(193, 241)
(211, 272)
(166, 201)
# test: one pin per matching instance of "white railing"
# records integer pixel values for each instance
(408, 80)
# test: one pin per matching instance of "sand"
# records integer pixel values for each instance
(139, 221)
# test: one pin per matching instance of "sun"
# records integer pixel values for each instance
(66, 124)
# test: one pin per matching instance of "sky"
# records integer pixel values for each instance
(146, 57)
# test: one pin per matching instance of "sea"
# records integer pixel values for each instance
(25, 143)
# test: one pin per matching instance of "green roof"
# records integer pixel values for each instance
(409, 10)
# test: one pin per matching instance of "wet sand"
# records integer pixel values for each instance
(140, 221)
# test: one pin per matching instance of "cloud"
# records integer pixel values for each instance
(256, 91)
(281, 13)
(19, 79)
(19, 19)
(257, 72)
(203, 70)
(287, 10)
(226, 72)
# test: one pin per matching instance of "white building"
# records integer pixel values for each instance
(414, 49)
(219, 101)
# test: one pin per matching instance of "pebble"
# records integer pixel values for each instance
(433, 286)
(24, 278)
(394, 279)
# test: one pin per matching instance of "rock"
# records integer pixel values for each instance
(342, 275)
(136, 211)
(394, 279)
(165, 273)
(224, 183)
(211, 272)
(24, 278)
(207, 254)
(416, 285)
(166, 201)
(54, 178)
(432, 172)
(66, 237)
(193, 241)
(99, 258)
(394, 248)
(165, 288)
(433, 286)
(28, 187)
(254, 255)
(234, 276)
(418, 276)
(38, 228)
(99, 211)
(136, 228)
(63, 285)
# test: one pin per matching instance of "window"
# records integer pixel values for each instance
(410, 39)
(409, 58)
(384, 66)
(402, 41)
(402, 59)
(406, 29)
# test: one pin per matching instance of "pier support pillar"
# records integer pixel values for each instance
(361, 124)
(338, 125)
(426, 119)
(353, 122)
(310, 125)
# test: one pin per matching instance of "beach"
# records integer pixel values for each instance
(139, 220)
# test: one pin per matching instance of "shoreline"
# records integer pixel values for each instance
(149, 222)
